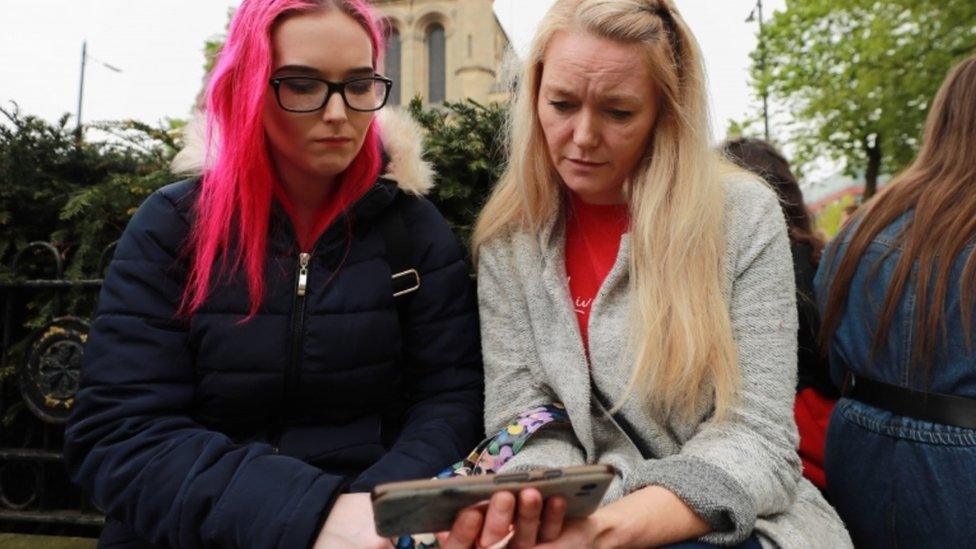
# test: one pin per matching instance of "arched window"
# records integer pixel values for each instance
(393, 63)
(436, 72)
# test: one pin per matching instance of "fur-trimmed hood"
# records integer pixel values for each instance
(402, 140)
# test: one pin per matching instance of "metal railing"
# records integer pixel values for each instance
(37, 395)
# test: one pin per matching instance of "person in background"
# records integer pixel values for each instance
(897, 292)
(815, 392)
(256, 364)
(627, 272)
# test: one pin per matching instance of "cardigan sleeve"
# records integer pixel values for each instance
(511, 386)
(746, 466)
(131, 442)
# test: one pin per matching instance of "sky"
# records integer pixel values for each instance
(158, 47)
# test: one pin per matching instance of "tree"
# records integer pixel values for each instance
(465, 143)
(78, 196)
(859, 76)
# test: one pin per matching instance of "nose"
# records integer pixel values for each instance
(335, 110)
(586, 133)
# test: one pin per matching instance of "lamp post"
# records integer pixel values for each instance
(81, 81)
(81, 87)
(757, 11)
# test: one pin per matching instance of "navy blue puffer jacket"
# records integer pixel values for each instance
(215, 432)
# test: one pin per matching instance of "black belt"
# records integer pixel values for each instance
(933, 407)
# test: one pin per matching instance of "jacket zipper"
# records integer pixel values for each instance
(297, 334)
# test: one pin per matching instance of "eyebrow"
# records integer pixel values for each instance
(561, 91)
(305, 70)
(359, 71)
(609, 98)
(621, 98)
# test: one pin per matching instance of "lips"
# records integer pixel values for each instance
(333, 140)
(585, 163)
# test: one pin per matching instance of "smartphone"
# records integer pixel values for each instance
(422, 506)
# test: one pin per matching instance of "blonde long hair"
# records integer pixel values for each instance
(682, 335)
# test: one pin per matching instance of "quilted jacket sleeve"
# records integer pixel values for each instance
(441, 355)
(131, 443)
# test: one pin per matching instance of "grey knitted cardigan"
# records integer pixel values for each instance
(743, 475)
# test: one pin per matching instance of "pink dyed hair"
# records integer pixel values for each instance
(234, 205)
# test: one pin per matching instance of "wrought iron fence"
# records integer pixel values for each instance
(37, 394)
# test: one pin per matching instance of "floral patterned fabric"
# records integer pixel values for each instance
(493, 452)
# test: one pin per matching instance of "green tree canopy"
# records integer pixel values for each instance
(76, 195)
(465, 142)
(858, 76)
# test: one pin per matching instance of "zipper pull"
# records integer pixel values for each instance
(303, 272)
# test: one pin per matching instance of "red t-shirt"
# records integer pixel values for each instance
(593, 235)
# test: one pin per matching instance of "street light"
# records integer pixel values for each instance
(757, 10)
(81, 84)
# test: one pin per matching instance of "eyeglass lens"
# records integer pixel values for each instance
(308, 94)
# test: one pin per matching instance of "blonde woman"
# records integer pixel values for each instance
(627, 273)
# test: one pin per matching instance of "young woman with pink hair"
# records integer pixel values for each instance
(288, 329)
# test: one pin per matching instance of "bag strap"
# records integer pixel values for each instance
(406, 277)
(495, 451)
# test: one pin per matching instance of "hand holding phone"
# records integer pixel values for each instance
(420, 506)
(507, 520)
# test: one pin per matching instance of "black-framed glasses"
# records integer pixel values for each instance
(307, 94)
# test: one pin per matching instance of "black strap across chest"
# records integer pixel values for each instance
(399, 248)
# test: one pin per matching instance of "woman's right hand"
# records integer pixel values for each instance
(520, 524)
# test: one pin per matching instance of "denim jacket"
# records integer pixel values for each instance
(954, 370)
(895, 480)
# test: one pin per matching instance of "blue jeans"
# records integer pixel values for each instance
(901, 482)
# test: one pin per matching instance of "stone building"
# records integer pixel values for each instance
(444, 50)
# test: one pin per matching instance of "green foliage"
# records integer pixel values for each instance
(859, 76)
(465, 143)
(830, 218)
(212, 46)
(76, 195)
(39, 165)
(96, 215)
(747, 127)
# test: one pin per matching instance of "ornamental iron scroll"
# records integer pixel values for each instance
(39, 374)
